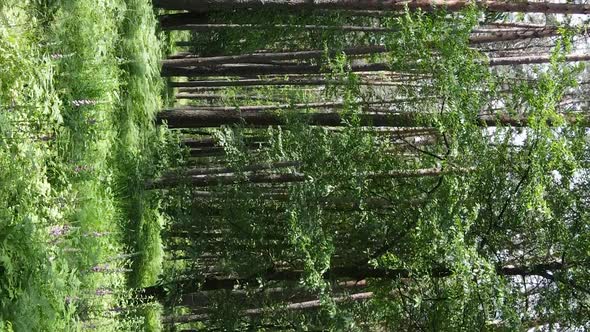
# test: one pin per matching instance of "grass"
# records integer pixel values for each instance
(79, 87)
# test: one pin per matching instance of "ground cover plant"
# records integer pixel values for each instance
(79, 88)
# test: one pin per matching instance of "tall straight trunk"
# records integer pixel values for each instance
(534, 59)
(201, 119)
(267, 57)
(325, 104)
(293, 293)
(205, 180)
(264, 69)
(269, 82)
(390, 5)
(180, 118)
(337, 273)
(513, 35)
(313, 304)
(181, 55)
(207, 152)
(210, 142)
(520, 25)
(171, 21)
(252, 69)
(483, 37)
(223, 170)
(224, 179)
(210, 97)
(206, 27)
(182, 319)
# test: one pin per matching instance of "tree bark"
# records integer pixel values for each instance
(266, 57)
(474, 40)
(207, 152)
(209, 97)
(212, 179)
(264, 69)
(250, 69)
(187, 118)
(259, 311)
(534, 59)
(202, 27)
(225, 179)
(203, 6)
(303, 106)
(201, 119)
(264, 82)
(336, 273)
(211, 142)
(514, 35)
(224, 170)
(173, 21)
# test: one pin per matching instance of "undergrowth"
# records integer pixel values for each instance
(79, 88)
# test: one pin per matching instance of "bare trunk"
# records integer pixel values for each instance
(200, 27)
(248, 69)
(390, 5)
(210, 142)
(322, 105)
(173, 21)
(264, 69)
(535, 59)
(514, 35)
(269, 82)
(225, 179)
(213, 179)
(183, 118)
(267, 57)
(336, 273)
(199, 119)
(259, 311)
(209, 97)
(223, 170)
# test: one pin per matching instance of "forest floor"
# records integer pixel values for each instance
(79, 88)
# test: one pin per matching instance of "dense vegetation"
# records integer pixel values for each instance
(79, 87)
(336, 166)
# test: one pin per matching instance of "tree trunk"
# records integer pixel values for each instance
(203, 118)
(204, 180)
(514, 35)
(483, 37)
(267, 82)
(209, 97)
(196, 27)
(224, 179)
(336, 273)
(250, 69)
(264, 69)
(187, 118)
(267, 57)
(203, 6)
(224, 170)
(322, 105)
(172, 21)
(254, 141)
(313, 304)
(534, 59)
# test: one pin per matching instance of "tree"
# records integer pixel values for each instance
(449, 5)
(448, 207)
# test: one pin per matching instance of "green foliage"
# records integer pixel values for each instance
(79, 88)
(503, 197)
